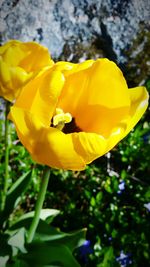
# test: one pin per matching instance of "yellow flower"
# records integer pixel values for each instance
(19, 62)
(72, 114)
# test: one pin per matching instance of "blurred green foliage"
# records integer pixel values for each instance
(109, 198)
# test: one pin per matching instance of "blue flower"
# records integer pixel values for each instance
(85, 250)
(121, 187)
(147, 205)
(124, 259)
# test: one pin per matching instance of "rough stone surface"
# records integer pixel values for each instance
(63, 25)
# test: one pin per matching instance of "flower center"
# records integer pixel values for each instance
(64, 122)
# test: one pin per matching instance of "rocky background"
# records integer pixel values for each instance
(75, 30)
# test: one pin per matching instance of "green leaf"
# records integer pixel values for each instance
(45, 214)
(93, 202)
(45, 232)
(73, 240)
(123, 174)
(99, 197)
(3, 260)
(108, 258)
(14, 194)
(147, 195)
(20, 185)
(49, 214)
(18, 240)
(115, 183)
(41, 254)
(108, 188)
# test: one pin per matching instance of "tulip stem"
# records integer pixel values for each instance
(6, 140)
(39, 204)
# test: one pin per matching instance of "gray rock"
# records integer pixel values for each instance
(71, 28)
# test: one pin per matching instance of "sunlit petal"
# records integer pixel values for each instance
(42, 95)
(139, 103)
(46, 145)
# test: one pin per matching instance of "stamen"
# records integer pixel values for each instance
(64, 122)
(60, 118)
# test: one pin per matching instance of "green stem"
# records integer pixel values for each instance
(38, 206)
(6, 177)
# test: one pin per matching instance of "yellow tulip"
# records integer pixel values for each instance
(19, 62)
(72, 114)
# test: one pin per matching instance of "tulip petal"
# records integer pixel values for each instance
(139, 103)
(46, 145)
(91, 146)
(42, 95)
(12, 78)
(25, 55)
(69, 68)
(18, 77)
(56, 149)
(101, 120)
(107, 86)
(12, 53)
(4, 72)
(36, 57)
(96, 84)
